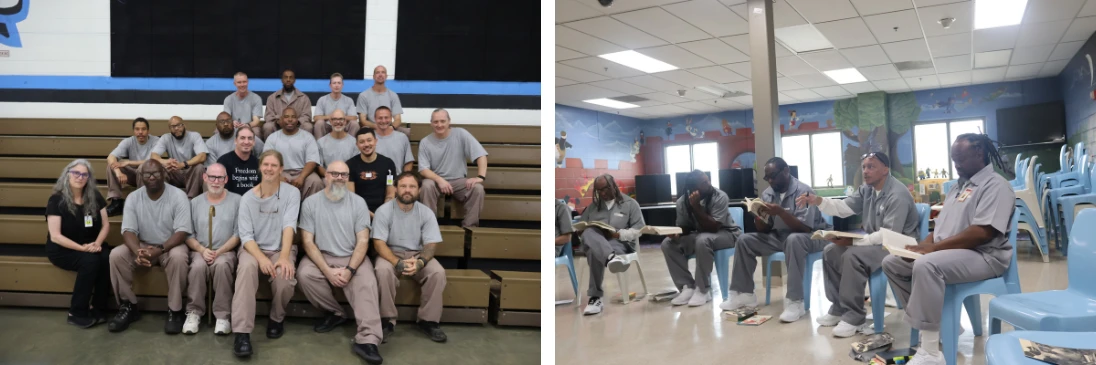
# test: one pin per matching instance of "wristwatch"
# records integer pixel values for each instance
(484, 178)
(353, 271)
(185, 164)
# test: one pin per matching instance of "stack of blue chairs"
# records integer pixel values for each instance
(1053, 196)
(1069, 205)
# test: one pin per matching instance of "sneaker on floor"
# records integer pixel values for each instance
(328, 323)
(793, 311)
(82, 322)
(828, 320)
(927, 358)
(617, 264)
(174, 323)
(127, 313)
(433, 331)
(683, 297)
(846, 329)
(241, 346)
(190, 327)
(739, 300)
(223, 327)
(700, 297)
(368, 352)
(593, 306)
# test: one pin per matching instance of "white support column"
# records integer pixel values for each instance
(380, 36)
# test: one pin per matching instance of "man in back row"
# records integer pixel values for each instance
(377, 96)
(287, 97)
(328, 104)
(244, 106)
(124, 161)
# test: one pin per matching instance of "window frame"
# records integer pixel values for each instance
(692, 161)
(947, 122)
(810, 150)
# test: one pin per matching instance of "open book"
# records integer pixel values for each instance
(828, 235)
(581, 226)
(654, 230)
(755, 206)
(896, 243)
(1057, 355)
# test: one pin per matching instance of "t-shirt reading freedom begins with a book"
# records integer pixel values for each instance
(242, 175)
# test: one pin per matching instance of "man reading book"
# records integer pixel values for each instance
(968, 244)
(603, 247)
(707, 226)
(882, 202)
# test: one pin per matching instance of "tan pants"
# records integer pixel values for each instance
(114, 187)
(223, 274)
(323, 128)
(312, 184)
(471, 199)
(247, 284)
(269, 128)
(188, 179)
(431, 278)
(174, 262)
(361, 292)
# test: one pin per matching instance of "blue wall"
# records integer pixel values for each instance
(1076, 84)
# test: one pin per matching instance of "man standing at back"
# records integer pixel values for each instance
(244, 106)
(442, 157)
(224, 141)
(390, 144)
(288, 97)
(186, 152)
(377, 96)
(328, 104)
(242, 164)
(300, 152)
(136, 149)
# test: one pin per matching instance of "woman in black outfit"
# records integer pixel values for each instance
(77, 218)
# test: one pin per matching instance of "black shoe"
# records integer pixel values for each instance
(116, 207)
(242, 345)
(127, 313)
(433, 330)
(174, 323)
(328, 323)
(82, 322)
(274, 329)
(98, 316)
(368, 352)
(387, 328)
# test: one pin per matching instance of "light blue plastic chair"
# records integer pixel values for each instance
(1069, 310)
(1069, 206)
(946, 188)
(1004, 349)
(1054, 196)
(811, 259)
(723, 257)
(1038, 235)
(956, 296)
(1070, 176)
(877, 282)
(567, 258)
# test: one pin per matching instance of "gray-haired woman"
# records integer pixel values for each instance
(77, 219)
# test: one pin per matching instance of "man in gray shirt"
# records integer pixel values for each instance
(605, 249)
(224, 141)
(406, 234)
(300, 152)
(707, 226)
(212, 251)
(377, 96)
(335, 236)
(154, 226)
(968, 244)
(442, 157)
(337, 146)
(186, 153)
(564, 228)
(395, 146)
(124, 161)
(244, 106)
(330, 103)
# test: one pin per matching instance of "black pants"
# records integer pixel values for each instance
(92, 277)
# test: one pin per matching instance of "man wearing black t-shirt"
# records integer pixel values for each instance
(241, 165)
(371, 174)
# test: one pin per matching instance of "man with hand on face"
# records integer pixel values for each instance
(337, 146)
(186, 153)
(380, 96)
(224, 141)
(372, 175)
(883, 202)
(390, 144)
(707, 226)
(242, 164)
(603, 249)
(154, 226)
(288, 97)
(218, 256)
(442, 157)
(328, 104)
(244, 106)
(406, 234)
(301, 154)
(335, 235)
(137, 149)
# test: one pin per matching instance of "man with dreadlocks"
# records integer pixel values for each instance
(969, 243)
(706, 226)
(602, 247)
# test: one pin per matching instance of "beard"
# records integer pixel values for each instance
(406, 198)
(181, 136)
(336, 192)
(215, 190)
(288, 88)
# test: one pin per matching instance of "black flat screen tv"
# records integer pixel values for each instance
(653, 189)
(1037, 123)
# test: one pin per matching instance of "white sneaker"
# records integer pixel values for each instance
(683, 297)
(793, 311)
(846, 329)
(617, 264)
(223, 327)
(738, 300)
(190, 327)
(926, 358)
(828, 320)
(700, 298)
(593, 306)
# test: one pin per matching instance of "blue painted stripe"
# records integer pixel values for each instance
(225, 84)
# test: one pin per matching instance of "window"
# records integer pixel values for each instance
(688, 157)
(817, 157)
(934, 153)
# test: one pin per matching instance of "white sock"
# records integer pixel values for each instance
(930, 342)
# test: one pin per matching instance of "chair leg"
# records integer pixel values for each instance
(994, 326)
(722, 268)
(642, 279)
(878, 285)
(974, 311)
(574, 282)
(949, 328)
(622, 280)
(915, 337)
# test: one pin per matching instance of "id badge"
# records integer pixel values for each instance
(88, 222)
(390, 180)
(965, 194)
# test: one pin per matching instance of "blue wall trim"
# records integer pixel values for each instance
(225, 84)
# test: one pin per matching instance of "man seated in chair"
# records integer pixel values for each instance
(301, 154)
(788, 229)
(442, 157)
(214, 259)
(124, 161)
(968, 244)
(883, 202)
(706, 227)
(186, 152)
(603, 248)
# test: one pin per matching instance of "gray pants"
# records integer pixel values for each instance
(795, 249)
(114, 186)
(223, 272)
(597, 256)
(846, 270)
(703, 245)
(471, 199)
(361, 292)
(431, 279)
(174, 262)
(932, 272)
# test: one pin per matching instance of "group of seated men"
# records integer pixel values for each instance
(969, 242)
(370, 146)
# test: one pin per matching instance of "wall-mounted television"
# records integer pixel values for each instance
(1037, 123)
(653, 189)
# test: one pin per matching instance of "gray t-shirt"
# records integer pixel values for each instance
(563, 219)
(297, 150)
(218, 147)
(154, 221)
(243, 110)
(332, 149)
(716, 207)
(335, 224)
(987, 199)
(224, 222)
(809, 215)
(369, 101)
(405, 231)
(262, 220)
(447, 157)
(130, 149)
(397, 147)
(181, 149)
(892, 208)
(327, 105)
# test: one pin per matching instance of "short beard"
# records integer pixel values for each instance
(227, 135)
(215, 191)
(335, 192)
(288, 88)
(180, 137)
(407, 201)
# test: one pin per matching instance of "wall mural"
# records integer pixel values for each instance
(590, 143)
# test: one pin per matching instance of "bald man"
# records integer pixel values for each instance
(212, 251)
(186, 154)
(328, 104)
(337, 146)
(224, 141)
(377, 96)
(300, 152)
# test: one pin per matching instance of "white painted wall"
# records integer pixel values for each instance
(61, 37)
(380, 36)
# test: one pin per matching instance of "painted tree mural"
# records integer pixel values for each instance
(903, 113)
(863, 120)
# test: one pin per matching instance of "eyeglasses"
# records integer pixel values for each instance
(175, 126)
(224, 121)
(221, 178)
(80, 175)
(339, 175)
(772, 176)
(149, 175)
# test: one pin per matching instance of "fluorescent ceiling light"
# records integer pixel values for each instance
(846, 76)
(639, 61)
(998, 13)
(611, 103)
(714, 92)
(802, 38)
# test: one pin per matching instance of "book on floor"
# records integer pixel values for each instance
(740, 314)
(896, 243)
(874, 342)
(829, 235)
(665, 295)
(660, 230)
(755, 206)
(580, 226)
(1057, 355)
(755, 320)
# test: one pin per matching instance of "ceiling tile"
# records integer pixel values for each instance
(882, 26)
(784, 99)
(685, 78)
(1089, 9)
(846, 33)
(744, 100)
(1034, 54)
(952, 64)
(1039, 11)
(621, 86)
(950, 45)
(650, 102)
(626, 6)
(662, 97)
(564, 82)
(892, 86)
(716, 51)
(1033, 34)
(571, 10)
(783, 15)
(859, 87)
(910, 50)
(667, 110)
(710, 16)
(936, 2)
(676, 56)
(1065, 51)
(869, 7)
(615, 31)
(718, 74)
(791, 66)
(987, 75)
(1023, 71)
(917, 72)
(634, 114)
(803, 94)
(785, 84)
(743, 86)
(994, 39)
(880, 72)
(742, 43)
(818, 11)
(579, 92)
(954, 78)
(831, 91)
(694, 94)
(992, 59)
(962, 12)
(923, 82)
(697, 106)
(826, 60)
(1054, 67)
(603, 66)
(866, 56)
(567, 54)
(1080, 30)
(814, 80)
(653, 83)
(662, 24)
(584, 43)
(576, 74)
(741, 68)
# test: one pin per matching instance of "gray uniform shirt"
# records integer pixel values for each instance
(335, 224)
(563, 219)
(243, 110)
(447, 157)
(130, 149)
(809, 215)
(332, 149)
(369, 101)
(892, 208)
(224, 222)
(181, 149)
(987, 199)
(397, 147)
(154, 221)
(716, 208)
(405, 231)
(262, 220)
(327, 105)
(624, 214)
(297, 150)
(218, 147)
